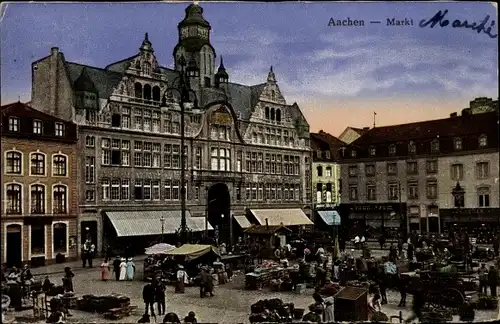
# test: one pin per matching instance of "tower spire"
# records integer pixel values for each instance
(146, 44)
(271, 77)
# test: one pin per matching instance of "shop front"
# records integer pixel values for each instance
(474, 220)
(375, 219)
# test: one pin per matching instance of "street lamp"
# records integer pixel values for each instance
(162, 220)
(187, 70)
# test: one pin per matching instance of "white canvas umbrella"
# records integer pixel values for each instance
(160, 248)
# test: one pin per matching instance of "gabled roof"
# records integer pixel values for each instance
(104, 80)
(328, 138)
(360, 131)
(23, 110)
(449, 127)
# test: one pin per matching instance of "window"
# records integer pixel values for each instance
(431, 189)
(412, 148)
(353, 171)
(482, 170)
(60, 237)
(412, 167)
(370, 170)
(37, 164)
(138, 191)
(328, 155)
(37, 127)
(168, 189)
(105, 189)
(372, 151)
(175, 190)
(37, 240)
(59, 129)
(90, 141)
(371, 192)
(115, 189)
(89, 169)
(483, 141)
(59, 200)
(431, 166)
(435, 146)
(353, 192)
(413, 190)
(318, 154)
(14, 160)
(457, 172)
(13, 124)
(14, 199)
(392, 149)
(483, 195)
(328, 171)
(37, 199)
(393, 191)
(328, 192)
(176, 156)
(125, 189)
(459, 200)
(156, 190)
(146, 191)
(59, 165)
(319, 192)
(89, 195)
(221, 159)
(392, 168)
(176, 128)
(116, 120)
(353, 153)
(197, 158)
(319, 169)
(167, 156)
(457, 144)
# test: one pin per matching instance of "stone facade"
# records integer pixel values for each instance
(45, 170)
(246, 137)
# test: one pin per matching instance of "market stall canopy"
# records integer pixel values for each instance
(142, 223)
(193, 251)
(243, 221)
(330, 217)
(160, 248)
(266, 230)
(278, 217)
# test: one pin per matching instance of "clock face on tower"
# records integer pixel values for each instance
(184, 32)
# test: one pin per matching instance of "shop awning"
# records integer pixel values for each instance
(330, 217)
(142, 223)
(243, 221)
(285, 217)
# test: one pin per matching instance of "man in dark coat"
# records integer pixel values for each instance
(207, 284)
(160, 298)
(148, 296)
(493, 280)
(116, 267)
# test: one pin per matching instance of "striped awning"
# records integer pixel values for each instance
(142, 223)
(284, 217)
(330, 217)
(243, 221)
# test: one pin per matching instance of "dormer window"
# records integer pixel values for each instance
(353, 153)
(457, 144)
(13, 124)
(37, 127)
(392, 149)
(318, 154)
(373, 151)
(267, 113)
(412, 148)
(59, 129)
(147, 68)
(483, 141)
(328, 154)
(435, 146)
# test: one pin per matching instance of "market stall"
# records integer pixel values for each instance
(272, 237)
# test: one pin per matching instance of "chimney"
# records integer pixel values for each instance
(452, 115)
(54, 51)
(53, 77)
(267, 223)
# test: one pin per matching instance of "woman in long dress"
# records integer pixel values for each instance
(181, 280)
(329, 314)
(130, 269)
(105, 270)
(123, 269)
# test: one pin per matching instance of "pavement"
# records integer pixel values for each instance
(231, 303)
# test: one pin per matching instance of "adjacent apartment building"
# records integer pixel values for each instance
(404, 176)
(39, 186)
(326, 183)
(247, 149)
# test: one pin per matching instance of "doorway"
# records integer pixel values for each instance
(88, 230)
(14, 245)
(219, 210)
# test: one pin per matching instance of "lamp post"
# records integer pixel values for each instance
(184, 90)
(206, 215)
(458, 200)
(162, 220)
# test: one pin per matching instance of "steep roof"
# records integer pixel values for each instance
(104, 80)
(328, 138)
(360, 131)
(449, 127)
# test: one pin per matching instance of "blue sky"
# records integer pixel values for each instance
(337, 75)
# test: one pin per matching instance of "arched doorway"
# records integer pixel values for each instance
(219, 209)
(14, 245)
